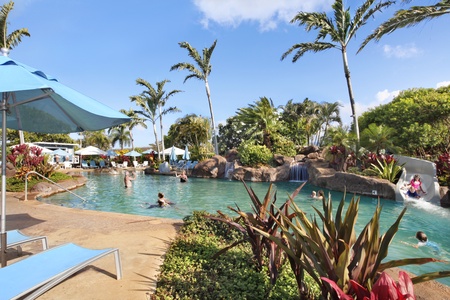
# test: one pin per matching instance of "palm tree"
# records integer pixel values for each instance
(201, 73)
(262, 119)
(97, 139)
(376, 138)
(135, 121)
(407, 18)
(339, 30)
(329, 113)
(120, 134)
(9, 41)
(151, 102)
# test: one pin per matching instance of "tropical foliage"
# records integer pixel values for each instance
(200, 72)
(192, 271)
(261, 120)
(336, 34)
(11, 40)
(26, 159)
(443, 168)
(421, 118)
(192, 131)
(332, 249)
(254, 155)
(151, 103)
(407, 18)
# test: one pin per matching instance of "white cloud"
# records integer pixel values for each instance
(406, 51)
(268, 13)
(382, 97)
(386, 96)
(442, 83)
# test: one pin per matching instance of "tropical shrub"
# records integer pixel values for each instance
(387, 170)
(335, 252)
(264, 217)
(15, 184)
(336, 155)
(26, 159)
(189, 270)
(385, 288)
(254, 155)
(443, 168)
(282, 145)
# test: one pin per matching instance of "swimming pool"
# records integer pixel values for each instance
(105, 192)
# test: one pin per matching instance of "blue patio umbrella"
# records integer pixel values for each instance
(59, 152)
(186, 155)
(173, 156)
(111, 153)
(133, 153)
(31, 100)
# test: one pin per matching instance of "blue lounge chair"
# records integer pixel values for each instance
(36, 274)
(92, 164)
(16, 238)
(84, 164)
(102, 164)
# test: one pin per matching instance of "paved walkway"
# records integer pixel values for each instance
(142, 242)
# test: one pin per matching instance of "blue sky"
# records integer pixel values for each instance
(100, 48)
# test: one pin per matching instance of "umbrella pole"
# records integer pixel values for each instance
(3, 200)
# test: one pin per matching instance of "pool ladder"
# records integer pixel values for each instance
(42, 176)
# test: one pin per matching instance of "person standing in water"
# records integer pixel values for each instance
(128, 178)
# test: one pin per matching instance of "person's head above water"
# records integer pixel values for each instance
(421, 236)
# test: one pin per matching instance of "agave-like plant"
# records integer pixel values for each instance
(265, 218)
(332, 250)
(387, 170)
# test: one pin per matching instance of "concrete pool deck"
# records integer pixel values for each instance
(142, 242)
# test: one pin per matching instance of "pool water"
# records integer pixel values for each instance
(105, 192)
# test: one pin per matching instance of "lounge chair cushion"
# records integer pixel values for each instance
(42, 271)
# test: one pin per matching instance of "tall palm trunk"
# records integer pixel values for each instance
(350, 94)
(213, 123)
(161, 128)
(156, 140)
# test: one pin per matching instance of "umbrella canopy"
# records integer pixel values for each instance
(186, 155)
(178, 151)
(34, 101)
(91, 150)
(133, 153)
(59, 152)
(149, 151)
(173, 156)
(111, 153)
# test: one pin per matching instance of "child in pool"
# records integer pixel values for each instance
(415, 185)
(162, 202)
(423, 241)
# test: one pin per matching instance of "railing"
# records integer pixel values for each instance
(42, 176)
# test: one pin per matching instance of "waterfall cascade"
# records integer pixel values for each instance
(298, 172)
(229, 168)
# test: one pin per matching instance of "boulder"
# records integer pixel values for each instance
(210, 168)
(321, 175)
(10, 170)
(232, 155)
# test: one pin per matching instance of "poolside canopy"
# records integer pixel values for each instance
(186, 154)
(90, 150)
(177, 150)
(31, 100)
